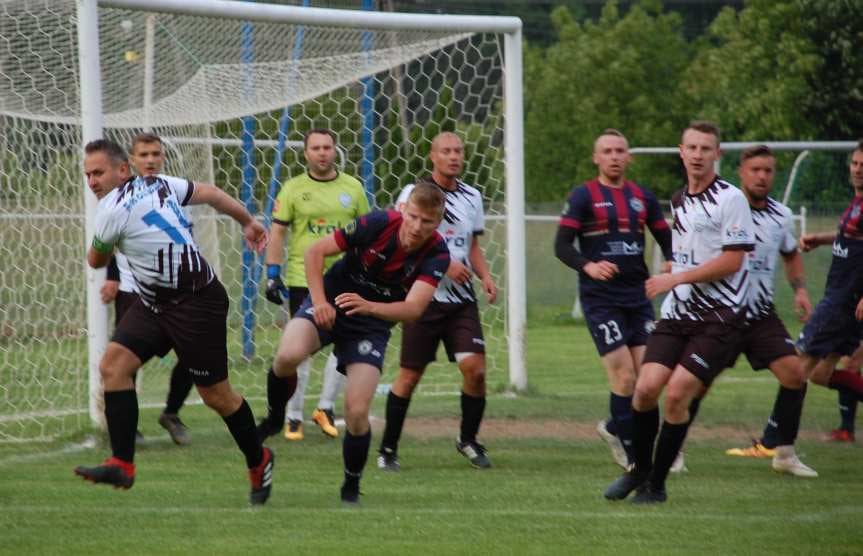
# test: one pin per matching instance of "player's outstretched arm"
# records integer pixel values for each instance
(728, 262)
(256, 235)
(808, 242)
(314, 257)
(409, 310)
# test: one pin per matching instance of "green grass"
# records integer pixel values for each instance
(543, 495)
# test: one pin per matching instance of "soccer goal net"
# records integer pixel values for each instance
(230, 87)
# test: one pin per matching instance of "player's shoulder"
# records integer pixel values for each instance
(779, 209)
(468, 190)
(347, 180)
(639, 189)
(171, 180)
(724, 189)
(581, 191)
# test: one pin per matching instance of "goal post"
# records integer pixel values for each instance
(194, 72)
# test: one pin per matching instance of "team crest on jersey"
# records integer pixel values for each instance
(307, 196)
(855, 212)
(345, 200)
(364, 347)
(649, 326)
(636, 204)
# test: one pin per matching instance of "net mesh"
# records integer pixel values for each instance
(207, 86)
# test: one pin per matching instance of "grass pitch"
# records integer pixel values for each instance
(543, 495)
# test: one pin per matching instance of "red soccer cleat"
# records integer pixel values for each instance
(113, 471)
(840, 435)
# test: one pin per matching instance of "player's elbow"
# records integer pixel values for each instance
(95, 261)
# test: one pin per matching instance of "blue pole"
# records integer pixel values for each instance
(284, 124)
(367, 108)
(247, 197)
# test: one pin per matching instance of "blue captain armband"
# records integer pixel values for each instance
(101, 247)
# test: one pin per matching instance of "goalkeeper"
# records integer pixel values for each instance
(313, 205)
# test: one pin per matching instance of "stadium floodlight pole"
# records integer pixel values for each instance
(91, 129)
(515, 228)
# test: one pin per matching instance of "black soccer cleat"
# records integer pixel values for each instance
(647, 493)
(261, 478)
(350, 491)
(388, 460)
(623, 485)
(176, 428)
(474, 452)
(266, 428)
(113, 471)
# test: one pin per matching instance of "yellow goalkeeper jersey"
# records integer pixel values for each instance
(312, 209)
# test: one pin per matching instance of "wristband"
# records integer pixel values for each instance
(274, 271)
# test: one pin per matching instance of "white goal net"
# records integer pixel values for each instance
(232, 97)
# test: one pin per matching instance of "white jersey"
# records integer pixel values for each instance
(127, 281)
(462, 220)
(145, 220)
(716, 220)
(773, 235)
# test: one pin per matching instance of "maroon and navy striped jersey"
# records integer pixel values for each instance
(609, 223)
(845, 278)
(377, 266)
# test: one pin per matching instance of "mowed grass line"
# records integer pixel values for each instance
(543, 496)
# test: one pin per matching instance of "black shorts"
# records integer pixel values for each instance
(703, 348)
(613, 326)
(832, 328)
(764, 341)
(122, 303)
(355, 338)
(456, 324)
(296, 296)
(196, 329)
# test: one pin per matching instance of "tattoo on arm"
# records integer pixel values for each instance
(797, 283)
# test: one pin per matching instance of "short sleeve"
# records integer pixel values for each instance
(362, 202)
(435, 264)
(108, 227)
(570, 216)
(283, 210)
(479, 216)
(403, 197)
(363, 230)
(736, 224)
(182, 188)
(788, 244)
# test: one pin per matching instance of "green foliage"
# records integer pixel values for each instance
(835, 97)
(752, 71)
(620, 72)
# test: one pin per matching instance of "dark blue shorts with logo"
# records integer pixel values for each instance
(355, 338)
(832, 328)
(614, 326)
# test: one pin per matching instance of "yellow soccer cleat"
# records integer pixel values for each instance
(294, 430)
(326, 420)
(757, 450)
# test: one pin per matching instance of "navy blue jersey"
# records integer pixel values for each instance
(377, 267)
(845, 279)
(609, 223)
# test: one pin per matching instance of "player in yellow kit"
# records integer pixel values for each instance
(312, 205)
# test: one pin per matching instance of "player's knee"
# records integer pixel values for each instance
(406, 382)
(645, 396)
(676, 405)
(285, 363)
(356, 418)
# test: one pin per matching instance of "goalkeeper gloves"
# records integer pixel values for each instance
(275, 287)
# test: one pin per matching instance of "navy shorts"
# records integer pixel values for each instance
(614, 326)
(195, 328)
(764, 341)
(832, 328)
(457, 325)
(702, 348)
(355, 339)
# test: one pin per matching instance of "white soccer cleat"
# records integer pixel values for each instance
(793, 466)
(678, 465)
(617, 450)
